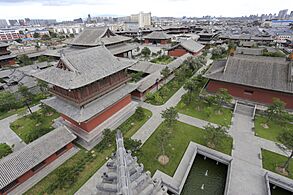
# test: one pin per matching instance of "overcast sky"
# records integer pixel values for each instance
(70, 9)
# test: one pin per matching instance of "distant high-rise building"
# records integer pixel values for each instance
(291, 15)
(21, 22)
(3, 23)
(78, 20)
(143, 19)
(89, 19)
(282, 14)
(13, 22)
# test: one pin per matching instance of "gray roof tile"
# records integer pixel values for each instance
(19, 162)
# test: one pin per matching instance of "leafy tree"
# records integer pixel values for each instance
(146, 52)
(158, 98)
(18, 40)
(53, 34)
(170, 115)
(7, 101)
(24, 60)
(37, 46)
(42, 59)
(165, 72)
(164, 91)
(162, 137)
(149, 96)
(210, 100)
(71, 35)
(286, 138)
(45, 37)
(27, 96)
(276, 111)
(4, 150)
(136, 76)
(139, 113)
(223, 96)
(215, 135)
(36, 35)
(132, 145)
(190, 87)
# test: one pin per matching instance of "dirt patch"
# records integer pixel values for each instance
(211, 145)
(163, 159)
(282, 170)
(264, 125)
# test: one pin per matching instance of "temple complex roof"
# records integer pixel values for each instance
(160, 35)
(272, 73)
(189, 45)
(83, 67)
(21, 161)
(97, 36)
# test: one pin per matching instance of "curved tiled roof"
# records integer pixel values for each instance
(270, 73)
(86, 65)
(16, 164)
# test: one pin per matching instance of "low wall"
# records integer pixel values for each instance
(278, 180)
(176, 183)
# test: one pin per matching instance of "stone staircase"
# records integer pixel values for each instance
(244, 109)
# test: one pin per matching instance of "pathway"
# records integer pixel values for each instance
(7, 135)
(247, 176)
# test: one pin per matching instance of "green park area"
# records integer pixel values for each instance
(271, 161)
(270, 129)
(175, 146)
(72, 174)
(208, 113)
(35, 125)
(164, 59)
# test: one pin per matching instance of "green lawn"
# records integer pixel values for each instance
(27, 125)
(162, 60)
(165, 92)
(175, 148)
(36, 100)
(271, 160)
(270, 133)
(223, 118)
(4, 150)
(90, 167)
(11, 112)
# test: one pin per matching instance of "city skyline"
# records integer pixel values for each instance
(68, 10)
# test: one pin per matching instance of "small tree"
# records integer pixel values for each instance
(146, 52)
(162, 137)
(4, 150)
(139, 113)
(215, 135)
(136, 76)
(27, 96)
(286, 138)
(24, 60)
(165, 72)
(42, 59)
(170, 115)
(132, 145)
(276, 111)
(36, 35)
(7, 101)
(190, 86)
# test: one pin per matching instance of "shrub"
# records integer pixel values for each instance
(4, 150)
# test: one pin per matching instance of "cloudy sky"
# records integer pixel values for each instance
(70, 9)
